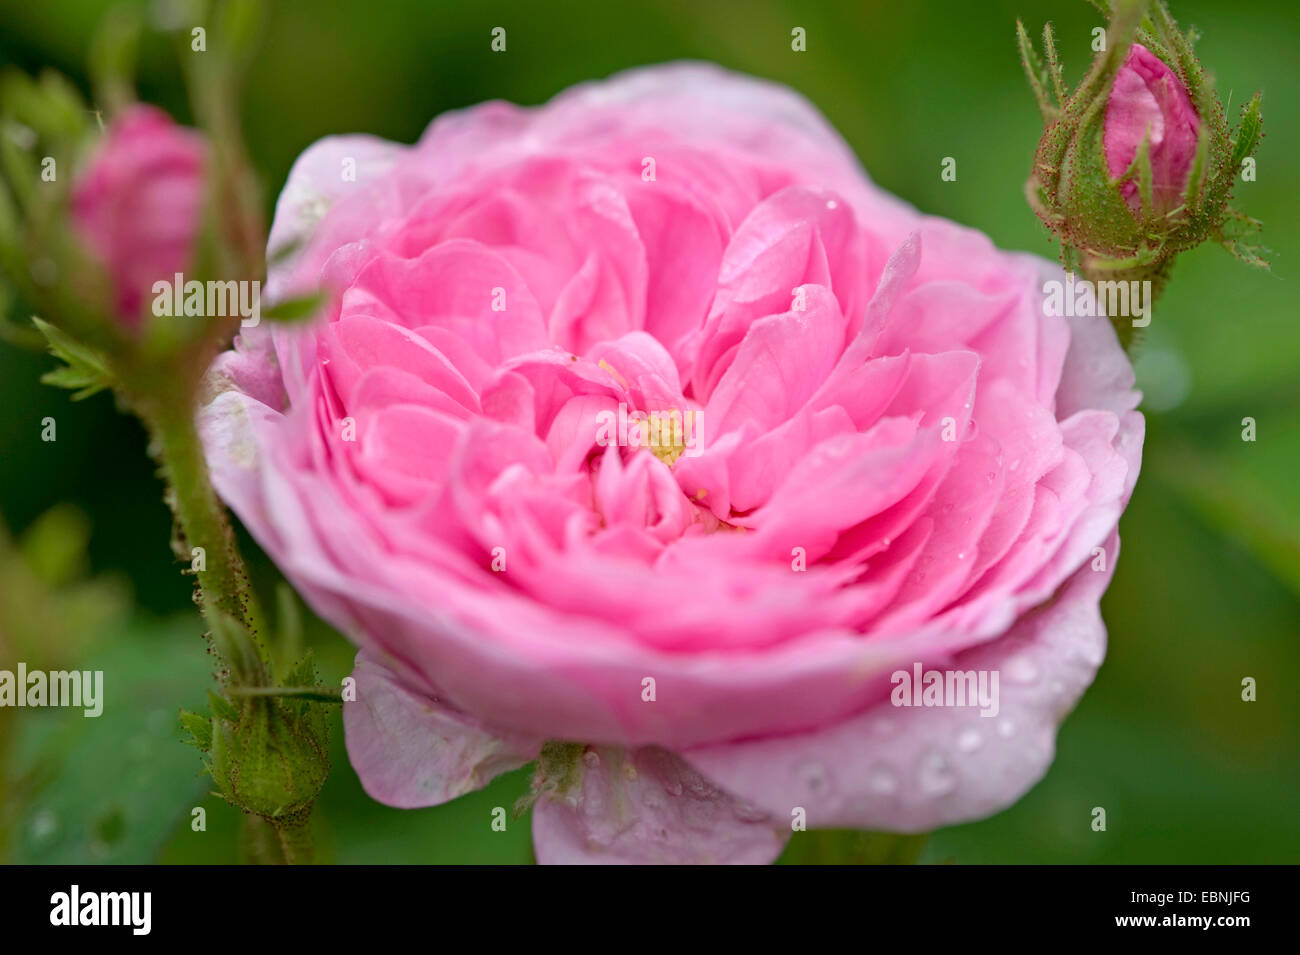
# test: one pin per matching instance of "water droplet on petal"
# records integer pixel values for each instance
(936, 775)
(882, 781)
(815, 778)
(1006, 729)
(1021, 669)
(969, 741)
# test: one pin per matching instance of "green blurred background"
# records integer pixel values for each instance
(1208, 587)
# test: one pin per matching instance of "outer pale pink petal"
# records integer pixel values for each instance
(647, 806)
(411, 750)
(915, 769)
(329, 171)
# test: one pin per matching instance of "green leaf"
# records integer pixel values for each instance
(295, 309)
(86, 369)
(112, 789)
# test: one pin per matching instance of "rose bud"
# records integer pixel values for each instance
(1137, 164)
(1149, 102)
(137, 204)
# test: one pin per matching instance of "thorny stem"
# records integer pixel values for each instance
(225, 595)
(227, 600)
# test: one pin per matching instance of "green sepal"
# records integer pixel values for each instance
(1246, 136)
(200, 729)
(1039, 79)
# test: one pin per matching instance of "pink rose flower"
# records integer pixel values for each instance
(1149, 100)
(138, 202)
(901, 460)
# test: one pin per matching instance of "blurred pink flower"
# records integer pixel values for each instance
(138, 202)
(901, 460)
(1149, 99)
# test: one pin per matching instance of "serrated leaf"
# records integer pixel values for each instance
(86, 368)
(73, 379)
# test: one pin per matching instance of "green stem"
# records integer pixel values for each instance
(271, 842)
(225, 595)
(296, 846)
(227, 600)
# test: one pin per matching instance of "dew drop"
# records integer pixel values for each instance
(815, 778)
(969, 740)
(882, 781)
(1006, 729)
(936, 776)
(44, 824)
(1021, 669)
